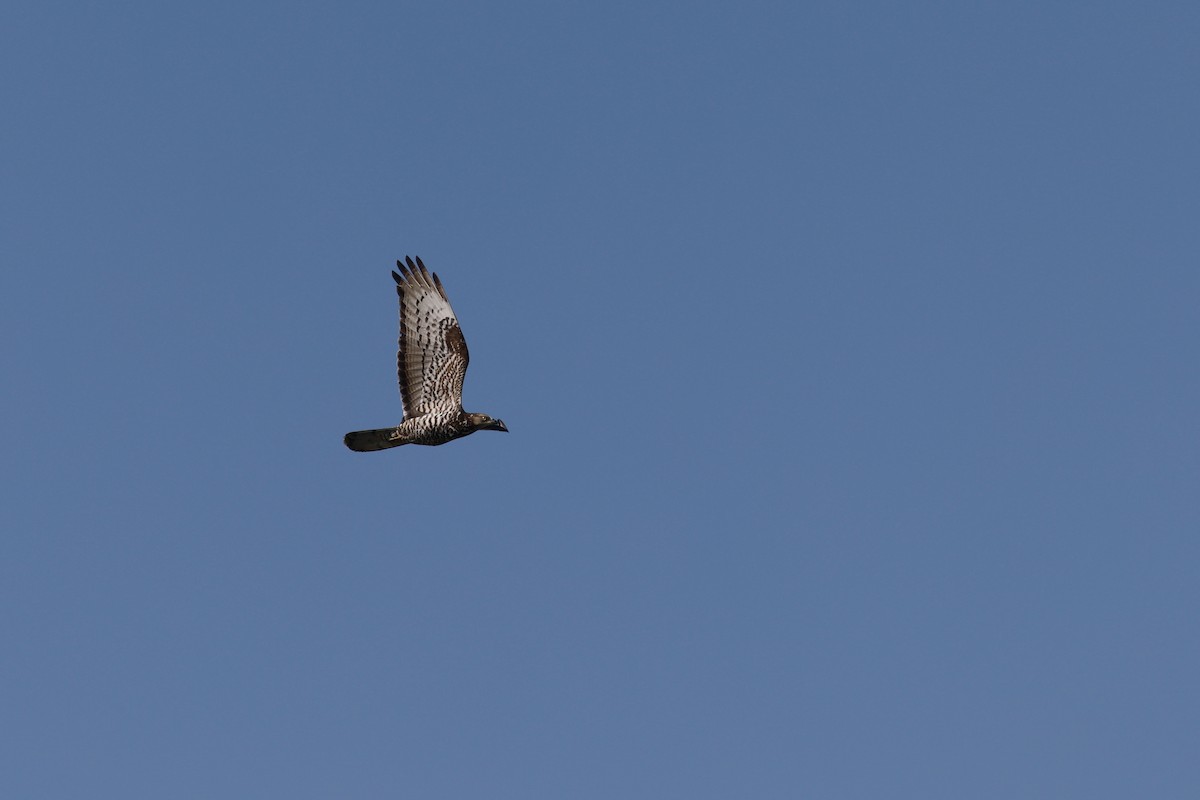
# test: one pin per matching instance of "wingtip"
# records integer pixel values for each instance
(421, 274)
(417, 273)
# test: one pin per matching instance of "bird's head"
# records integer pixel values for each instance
(483, 422)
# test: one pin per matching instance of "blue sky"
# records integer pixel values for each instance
(848, 353)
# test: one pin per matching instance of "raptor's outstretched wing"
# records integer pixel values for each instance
(432, 359)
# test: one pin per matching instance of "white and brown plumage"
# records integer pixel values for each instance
(432, 363)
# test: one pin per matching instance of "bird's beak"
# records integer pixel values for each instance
(500, 426)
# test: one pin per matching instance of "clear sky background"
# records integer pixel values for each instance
(848, 352)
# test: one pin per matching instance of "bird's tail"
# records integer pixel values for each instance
(367, 441)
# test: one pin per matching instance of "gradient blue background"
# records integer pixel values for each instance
(849, 353)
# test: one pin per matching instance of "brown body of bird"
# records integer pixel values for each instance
(432, 363)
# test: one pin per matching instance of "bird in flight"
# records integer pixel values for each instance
(432, 364)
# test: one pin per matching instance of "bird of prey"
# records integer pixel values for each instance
(432, 364)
